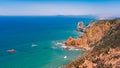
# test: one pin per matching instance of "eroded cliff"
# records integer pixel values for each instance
(102, 41)
(93, 33)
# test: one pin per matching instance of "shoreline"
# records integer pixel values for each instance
(103, 44)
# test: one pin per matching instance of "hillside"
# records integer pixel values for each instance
(102, 42)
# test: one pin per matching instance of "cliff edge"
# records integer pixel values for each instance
(102, 42)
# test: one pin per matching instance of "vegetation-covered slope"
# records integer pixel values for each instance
(103, 53)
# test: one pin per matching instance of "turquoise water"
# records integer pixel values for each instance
(20, 33)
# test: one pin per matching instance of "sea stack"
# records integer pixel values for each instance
(81, 26)
(102, 40)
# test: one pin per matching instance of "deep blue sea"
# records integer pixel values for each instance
(34, 37)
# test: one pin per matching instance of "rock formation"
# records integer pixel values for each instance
(103, 40)
(94, 32)
(81, 27)
(11, 51)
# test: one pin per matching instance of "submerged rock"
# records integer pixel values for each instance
(11, 51)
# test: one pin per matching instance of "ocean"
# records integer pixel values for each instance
(37, 40)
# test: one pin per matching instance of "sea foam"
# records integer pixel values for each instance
(63, 46)
(34, 45)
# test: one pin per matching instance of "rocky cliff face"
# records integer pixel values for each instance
(94, 32)
(102, 40)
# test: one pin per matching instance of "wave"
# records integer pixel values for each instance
(34, 45)
(58, 43)
(73, 48)
(63, 46)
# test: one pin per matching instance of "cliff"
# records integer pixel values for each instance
(94, 32)
(102, 40)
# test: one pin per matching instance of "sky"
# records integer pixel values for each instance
(59, 7)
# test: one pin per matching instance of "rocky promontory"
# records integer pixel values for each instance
(102, 42)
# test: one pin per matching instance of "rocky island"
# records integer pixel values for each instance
(101, 41)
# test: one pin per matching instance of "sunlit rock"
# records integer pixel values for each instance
(94, 33)
(103, 43)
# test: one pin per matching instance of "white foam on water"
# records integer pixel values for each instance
(77, 49)
(59, 67)
(73, 48)
(62, 45)
(65, 57)
(57, 43)
(34, 45)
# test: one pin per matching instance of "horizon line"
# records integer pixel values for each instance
(68, 15)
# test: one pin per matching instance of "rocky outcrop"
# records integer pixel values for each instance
(94, 32)
(105, 51)
(81, 26)
(11, 51)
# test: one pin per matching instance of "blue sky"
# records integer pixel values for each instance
(59, 7)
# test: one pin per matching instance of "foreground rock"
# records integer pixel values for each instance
(103, 41)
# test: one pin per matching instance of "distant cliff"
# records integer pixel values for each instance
(102, 42)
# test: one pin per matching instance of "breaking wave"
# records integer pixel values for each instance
(34, 45)
(57, 44)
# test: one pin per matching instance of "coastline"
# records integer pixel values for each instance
(101, 40)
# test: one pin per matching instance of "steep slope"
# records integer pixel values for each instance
(104, 52)
(93, 33)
